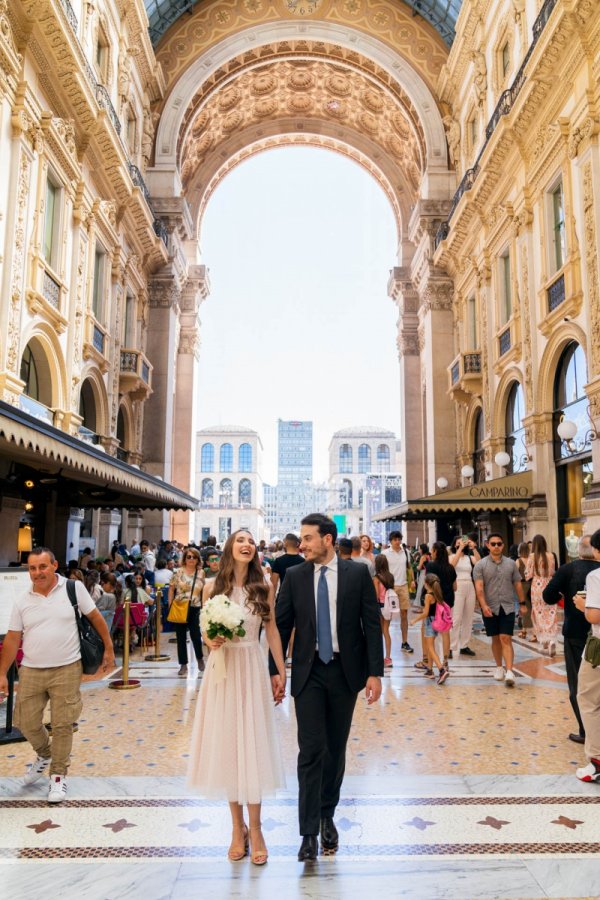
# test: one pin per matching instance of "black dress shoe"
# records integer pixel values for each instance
(466, 651)
(577, 738)
(309, 848)
(329, 834)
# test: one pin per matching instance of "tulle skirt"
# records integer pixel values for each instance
(235, 751)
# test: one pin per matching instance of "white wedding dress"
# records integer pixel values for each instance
(235, 752)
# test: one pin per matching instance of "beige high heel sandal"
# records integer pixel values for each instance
(257, 857)
(235, 854)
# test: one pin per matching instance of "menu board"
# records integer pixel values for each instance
(12, 583)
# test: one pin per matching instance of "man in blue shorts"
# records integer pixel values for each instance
(497, 579)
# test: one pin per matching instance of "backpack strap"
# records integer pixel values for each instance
(71, 591)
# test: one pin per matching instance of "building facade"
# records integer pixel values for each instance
(294, 475)
(354, 455)
(228, 482)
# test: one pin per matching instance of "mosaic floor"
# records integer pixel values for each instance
(462, 791)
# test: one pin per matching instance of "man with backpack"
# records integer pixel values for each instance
(497, 579)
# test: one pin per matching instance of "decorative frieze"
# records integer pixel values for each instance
(591, 259)
(18, 263)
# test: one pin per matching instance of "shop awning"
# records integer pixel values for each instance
(83, 474)
(509, 493)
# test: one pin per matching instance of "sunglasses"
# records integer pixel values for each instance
(496, 543)
(213, 559)
(191, 556)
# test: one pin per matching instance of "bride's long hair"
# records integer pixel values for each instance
(255, 584)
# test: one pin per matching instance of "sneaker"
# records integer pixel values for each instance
(466, 651)
(58, 789)
(429, 673)
(591, 772)
(407, 648)
(499, 673)
(183, 670)
(443, 675)
(36, 770)
(509, 678)
(387, 663)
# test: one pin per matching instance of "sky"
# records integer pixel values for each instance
(299, 242)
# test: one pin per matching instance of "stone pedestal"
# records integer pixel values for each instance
(108, 530)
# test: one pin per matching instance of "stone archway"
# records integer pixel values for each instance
(349, 78)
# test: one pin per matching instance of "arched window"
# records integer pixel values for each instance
(87, 407)
(226, 458)
(383, 458)
(226, 492)
(515, 433)
(364, 458)
(346, 494)
(478, 451)
(121, 436)
(571, 401)
(29, 374)
(245, 458)
(245, 492)
(345, 458)
(207, 458)
(207, 491)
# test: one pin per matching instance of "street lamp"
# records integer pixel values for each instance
(442, 483)
(467, 471)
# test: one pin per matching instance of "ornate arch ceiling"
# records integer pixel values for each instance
(295, 99)
(442, 14)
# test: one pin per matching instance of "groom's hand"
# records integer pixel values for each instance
(373, 689)
(278, 687)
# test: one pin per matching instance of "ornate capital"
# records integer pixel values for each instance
(164, 293)
(407, 343)
(437, 295)
(189, 342)
(587, 128)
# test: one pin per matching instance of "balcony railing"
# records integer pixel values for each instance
(70, 14)
(98, 340)
(134, 362)
(51, 290)
(503, 107)
(556, 293)
(36, 409)
(465, 374)
(136, 177)
(103, 98)
(472, 363)
(504, 342)
(160, 229)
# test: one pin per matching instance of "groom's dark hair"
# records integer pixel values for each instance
(323, 523)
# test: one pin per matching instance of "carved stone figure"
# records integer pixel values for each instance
(480, 78)
(453, 135)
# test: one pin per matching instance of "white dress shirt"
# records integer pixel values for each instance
(331, 577)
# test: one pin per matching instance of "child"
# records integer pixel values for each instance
(433, 596)
(383, 581)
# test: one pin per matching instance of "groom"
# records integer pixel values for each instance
(337, 650)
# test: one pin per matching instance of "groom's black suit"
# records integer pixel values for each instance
(325, 695)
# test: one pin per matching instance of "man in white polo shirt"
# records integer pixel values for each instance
(44, 618)
(398, 562)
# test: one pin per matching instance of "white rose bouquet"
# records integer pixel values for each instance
(220, 617)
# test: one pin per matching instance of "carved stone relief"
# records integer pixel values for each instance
(591, 259)
(18, 264)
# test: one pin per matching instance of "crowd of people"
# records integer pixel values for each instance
(324, 605)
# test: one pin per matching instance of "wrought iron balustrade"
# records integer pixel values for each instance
(51, 290)
(70, 14)
(161, 231)
(556, 293)
(136, 177)
(129, 361)
(472, 363)
(98, 340)
(504, 342)
(103, 98)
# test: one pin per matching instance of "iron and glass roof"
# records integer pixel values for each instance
(442, 14)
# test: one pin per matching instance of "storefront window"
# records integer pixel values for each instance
(478, 451)
(571, 402)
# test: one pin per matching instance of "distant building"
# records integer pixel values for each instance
(228, 482)
(354, 455)
(294, 475)
(270, 507)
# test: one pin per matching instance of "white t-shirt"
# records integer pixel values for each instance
(50, 634)
(162, 577)
(397, 562)
(592, 600)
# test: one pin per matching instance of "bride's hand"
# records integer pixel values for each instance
(215, 643)
(278, 687)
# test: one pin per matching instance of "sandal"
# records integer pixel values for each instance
(258, 857)
(422, 664)
(234, 853)
(532, 639)
(522, 634)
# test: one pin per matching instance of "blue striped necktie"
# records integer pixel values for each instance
(324, 619)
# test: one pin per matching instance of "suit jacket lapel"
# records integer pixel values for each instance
(309, 594)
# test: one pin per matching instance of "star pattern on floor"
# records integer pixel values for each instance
(568, 823)
(119, 825)
(40, 827)
(497, 824)
(194, 825)
(418, 822)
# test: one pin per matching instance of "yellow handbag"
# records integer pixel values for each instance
(178, 610)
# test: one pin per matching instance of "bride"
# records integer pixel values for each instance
(235, 747)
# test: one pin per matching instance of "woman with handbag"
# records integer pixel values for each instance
(185, 601)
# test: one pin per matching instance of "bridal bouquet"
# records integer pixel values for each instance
(221, 618)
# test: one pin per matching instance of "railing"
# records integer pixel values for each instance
(36, 409)
(51, 290)
(70, 14)
(161, 231)
(136, 177)
(134, 361)
(87, 435)
(472, 363)
(503, 107)
(103, 98)
(504, 342)
(556, 293)
(98, 339)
